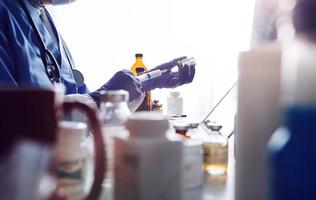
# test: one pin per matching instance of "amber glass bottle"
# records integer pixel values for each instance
(137, 69)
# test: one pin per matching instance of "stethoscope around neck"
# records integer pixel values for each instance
(51, 65)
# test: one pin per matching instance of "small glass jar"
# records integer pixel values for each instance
(113, 107)
(215, 146)
(113, 113)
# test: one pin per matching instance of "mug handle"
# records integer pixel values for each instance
(100, 165)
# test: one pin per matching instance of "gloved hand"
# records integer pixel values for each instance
(170, 79)
(122, 80)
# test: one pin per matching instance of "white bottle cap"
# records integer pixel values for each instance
(174, 94)
(71, 133)
(147, 124)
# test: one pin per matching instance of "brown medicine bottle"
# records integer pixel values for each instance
(137, 69)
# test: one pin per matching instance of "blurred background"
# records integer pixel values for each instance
(104, 36)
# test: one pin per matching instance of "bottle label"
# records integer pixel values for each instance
(126, 172)
(144, 167)
(71, 175)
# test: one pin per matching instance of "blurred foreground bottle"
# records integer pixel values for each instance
(148, 164)
(137, 69)
(113, 113)
(292, 147)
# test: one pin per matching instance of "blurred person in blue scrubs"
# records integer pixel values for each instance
(33, 54)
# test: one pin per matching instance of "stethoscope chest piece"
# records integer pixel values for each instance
(78, 77)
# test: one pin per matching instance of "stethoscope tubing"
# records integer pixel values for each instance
(45, 51)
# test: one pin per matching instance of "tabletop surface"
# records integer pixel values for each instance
(220, 187)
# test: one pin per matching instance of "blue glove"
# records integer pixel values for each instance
(170, 79)
(122, 80)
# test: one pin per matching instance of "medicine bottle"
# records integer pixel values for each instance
(148, 164)
(193, 164)
(73, 159)
(113, 113)
(192, 157)
(292, 147)
(137, 69)
(182, 130)
(215, 147)
(194, 131)
(174, 104)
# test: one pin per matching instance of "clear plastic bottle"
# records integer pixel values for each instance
(137, 69)
(113, 113)
(174, 104)
(215, 146)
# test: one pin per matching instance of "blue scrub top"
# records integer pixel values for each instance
(21, 63)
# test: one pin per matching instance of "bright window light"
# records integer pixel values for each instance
(103, 37)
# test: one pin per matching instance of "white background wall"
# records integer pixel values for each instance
(104, 35)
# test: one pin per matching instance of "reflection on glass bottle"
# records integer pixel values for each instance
(215, 148)
(137, 69)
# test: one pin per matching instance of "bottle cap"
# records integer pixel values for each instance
(147, 124)
(114, 96)
(181, 127)
(214, 126)
(304, 16)
(175, 94)
(194, 125)
(71, 132)
(139, 55)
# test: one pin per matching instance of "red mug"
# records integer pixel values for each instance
(28, 131)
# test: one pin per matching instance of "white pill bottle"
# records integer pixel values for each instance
(174, 104)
